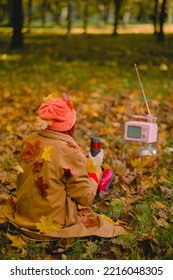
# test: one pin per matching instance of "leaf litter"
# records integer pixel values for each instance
(141, 196)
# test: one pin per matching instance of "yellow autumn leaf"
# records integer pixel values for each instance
(91, 166)
(47, 225)
(106, 166)
(47, 153)
(109, 220)
(50, 96)
(2, 219)
(19, 169)
(121, 108)
(17, 241)
(7, 211)
(47, 98)
(140, 164)
(160, 205)
(9, 128)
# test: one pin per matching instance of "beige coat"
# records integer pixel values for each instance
(55, 187)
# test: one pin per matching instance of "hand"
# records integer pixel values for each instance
(98, 159)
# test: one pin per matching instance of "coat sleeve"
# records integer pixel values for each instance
(79, 185)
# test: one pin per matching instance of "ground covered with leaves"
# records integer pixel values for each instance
(98, 72)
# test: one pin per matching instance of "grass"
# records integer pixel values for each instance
(98, 71)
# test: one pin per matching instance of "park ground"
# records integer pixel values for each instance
(97, 70)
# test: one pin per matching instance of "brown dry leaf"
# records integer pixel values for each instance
(42, 124)
(159, 205)
(31, 151)
(166, 191)
(161, 222)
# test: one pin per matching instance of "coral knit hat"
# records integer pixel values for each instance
(60, 111)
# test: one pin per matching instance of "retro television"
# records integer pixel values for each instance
(141, 131)
(144, 128)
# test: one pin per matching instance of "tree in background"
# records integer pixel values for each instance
(159, 19)
(29, 4)
(155, 17)
(162, 19)
(76, 12)
(17, 24)
(117, 4)
(85, 16)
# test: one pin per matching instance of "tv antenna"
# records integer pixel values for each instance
(142, 89)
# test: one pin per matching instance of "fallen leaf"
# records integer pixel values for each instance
(42, 187)
(19, 169)
(47, 153)
(17, 241)
(42, 124)
(161, 222)
(47, 225)
(37, 166)
(88, 220)
(67, 173)
(140, 164)
(31, 151)
(109, 220)
(3, 219)
(91, 166)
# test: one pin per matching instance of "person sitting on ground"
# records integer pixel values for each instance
(55, 188)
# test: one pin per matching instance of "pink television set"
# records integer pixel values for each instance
(141, 131)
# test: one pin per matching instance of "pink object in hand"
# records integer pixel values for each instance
(106, 180)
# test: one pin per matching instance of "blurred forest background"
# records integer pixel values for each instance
(83, 13)
(88, 48)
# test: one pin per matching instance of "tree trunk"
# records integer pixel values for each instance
(17, 24)
(43, 12)
(29, 14)
(162, 18)
(69, 18)
(155, 19)
(86, 16)
(117, 4)
(57, 12)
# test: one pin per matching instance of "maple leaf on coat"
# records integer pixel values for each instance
(11, 201)
(47, 153)
(37, 166)
(67, 173)
(19, 169)
(88, 220)
(42, 187)
(31, 151)
(47, 225)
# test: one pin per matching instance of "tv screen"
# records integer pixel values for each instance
(134, 132)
